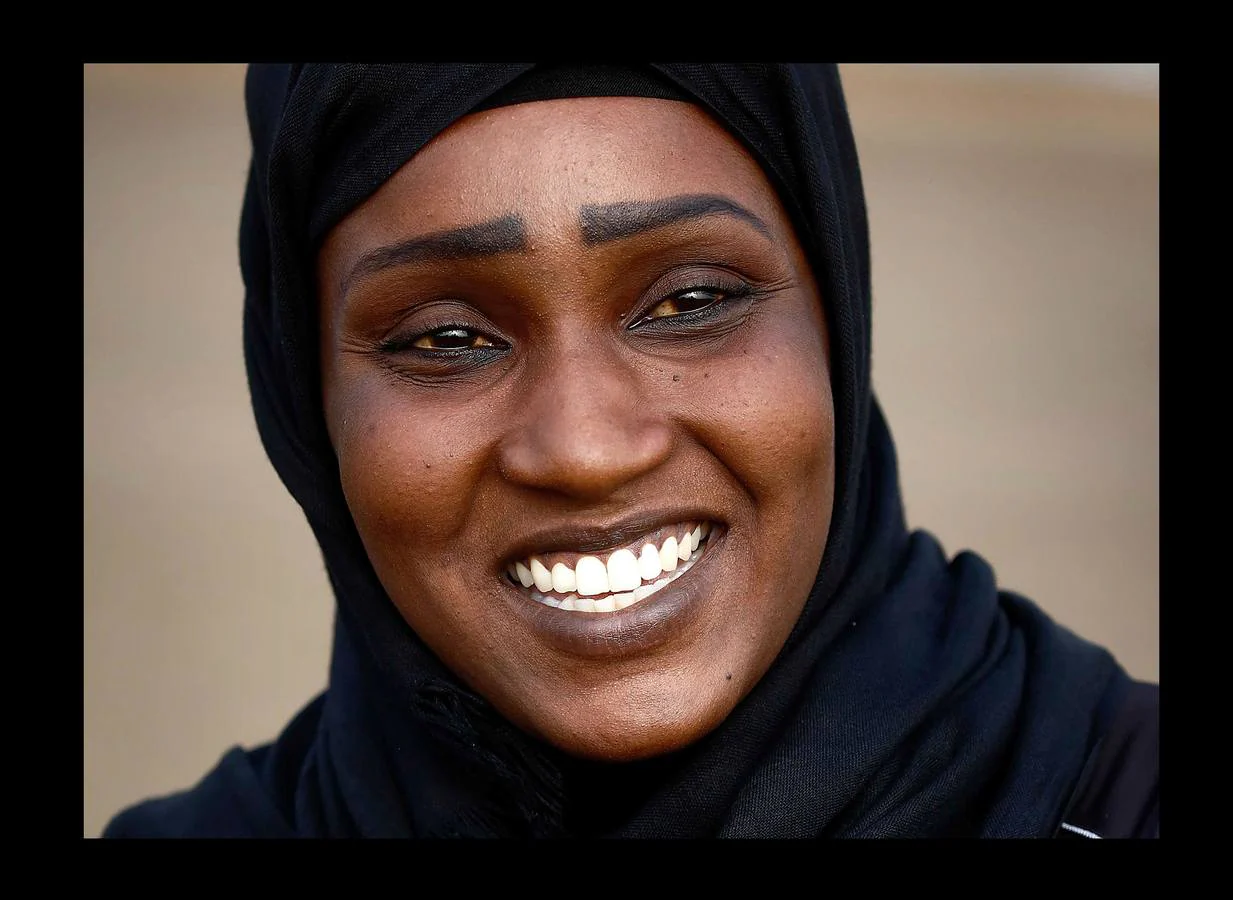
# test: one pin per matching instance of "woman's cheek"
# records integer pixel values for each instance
(405, 471)
(770, 414)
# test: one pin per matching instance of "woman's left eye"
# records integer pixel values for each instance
(692, 300)
(451, 338)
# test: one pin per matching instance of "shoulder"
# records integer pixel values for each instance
(249, 793)
(1118, 793)
(223, 804)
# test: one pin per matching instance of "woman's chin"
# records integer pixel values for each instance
(628, 720)
(636, 741)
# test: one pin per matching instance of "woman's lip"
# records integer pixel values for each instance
(599, 538)
(626, 632)
(655, 538)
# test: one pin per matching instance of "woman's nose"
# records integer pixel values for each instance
(585, 428)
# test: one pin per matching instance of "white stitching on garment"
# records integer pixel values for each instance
(1082, 831)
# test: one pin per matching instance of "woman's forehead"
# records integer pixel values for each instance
(548, 162)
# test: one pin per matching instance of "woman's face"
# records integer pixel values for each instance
(561, 338)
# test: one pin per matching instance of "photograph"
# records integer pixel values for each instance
(646, 450)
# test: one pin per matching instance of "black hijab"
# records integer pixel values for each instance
(913, 698)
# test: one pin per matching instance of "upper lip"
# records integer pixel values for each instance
(592, 538)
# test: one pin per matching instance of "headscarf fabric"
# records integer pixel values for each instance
(913, 697)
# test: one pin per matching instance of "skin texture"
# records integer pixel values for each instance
(571, 390)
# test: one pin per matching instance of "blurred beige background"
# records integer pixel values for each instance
(1014, 223)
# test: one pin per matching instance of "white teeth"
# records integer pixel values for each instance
(539, 572)
(648, 589)
(597, 586)
(563, 580)
(591, 576)
(648, 563)
(667, 555)
(623, 571)
(618, 601)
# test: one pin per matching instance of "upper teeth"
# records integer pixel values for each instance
(623, 570)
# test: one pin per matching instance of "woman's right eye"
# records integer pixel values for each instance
(684, 302)
(453, 337)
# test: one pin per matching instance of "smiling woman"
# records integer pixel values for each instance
(569, 370)
(577, 371)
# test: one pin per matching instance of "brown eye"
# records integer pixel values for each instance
(452, 338)
(684, 302)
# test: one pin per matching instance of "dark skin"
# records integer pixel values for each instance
(561, 326)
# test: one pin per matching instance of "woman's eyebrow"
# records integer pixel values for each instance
(502, 235)
(613, 221)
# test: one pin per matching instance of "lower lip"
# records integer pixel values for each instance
(643, 626)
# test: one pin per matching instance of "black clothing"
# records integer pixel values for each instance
(913, 697)
(1118, 794)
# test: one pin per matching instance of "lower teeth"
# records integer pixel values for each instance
(614, 602)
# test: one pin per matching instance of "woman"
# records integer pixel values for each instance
(569, 369)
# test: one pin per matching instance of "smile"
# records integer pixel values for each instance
(610, 582)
